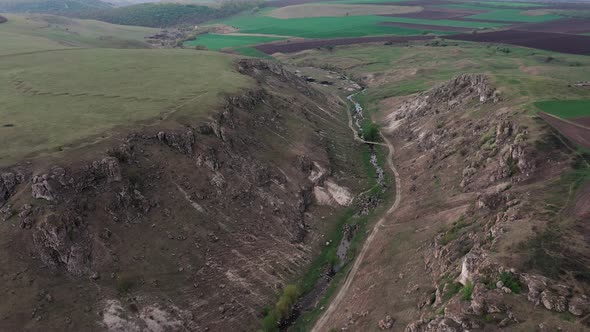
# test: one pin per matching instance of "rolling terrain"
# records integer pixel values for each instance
(235, 184)
(417, 166)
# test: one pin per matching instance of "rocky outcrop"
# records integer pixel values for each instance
(43, 189)
(61, 242)
(386, 323)
(8, 184)
(183, 142)
(448, 96)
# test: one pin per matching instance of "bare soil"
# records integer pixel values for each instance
(557, 42)
(426, 27)
(569, 25)
(293, 47)
(577, 133)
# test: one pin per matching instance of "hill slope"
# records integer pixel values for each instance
(51, 6)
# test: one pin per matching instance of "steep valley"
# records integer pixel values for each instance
(179, 225)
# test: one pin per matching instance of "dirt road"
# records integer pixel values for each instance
(320, 325)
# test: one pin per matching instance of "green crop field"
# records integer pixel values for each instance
(217, 42)
(567, 109)
(508, 15)
(338, 27)
(58, 89)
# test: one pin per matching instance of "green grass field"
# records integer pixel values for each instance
(217, 42)
(507, 15)
(567, 109)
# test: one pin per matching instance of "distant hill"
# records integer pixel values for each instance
(160, 15)
(51, 6)
(2, 19)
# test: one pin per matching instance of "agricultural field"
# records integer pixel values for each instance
(327, 21)
(58, 88)
(216, 42)
(567, 109)
(558, 42)
(505, 15)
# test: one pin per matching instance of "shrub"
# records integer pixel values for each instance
(371, 132)
(125, 284)
(281, 310)
(270, 322)
(467, 291)
(451, 290)
(510, 281)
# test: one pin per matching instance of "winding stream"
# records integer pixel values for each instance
(309, 301)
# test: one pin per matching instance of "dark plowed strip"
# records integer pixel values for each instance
(568, 25)
(557, 42)
(578, 134)
(584, 121)
(425, 27)
(438, 14)
(293, 47)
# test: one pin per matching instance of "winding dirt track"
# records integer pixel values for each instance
(342, 292)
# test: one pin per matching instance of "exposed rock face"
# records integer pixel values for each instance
(42, 189)
(183, 142)
(448, 96)
(438, 324)
(62, 242)
(7, 186)
(469, 267)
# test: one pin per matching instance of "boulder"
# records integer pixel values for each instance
(579, 305)
(553, 301)
(43, 189)
(386, 323)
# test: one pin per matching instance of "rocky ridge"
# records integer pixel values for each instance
(500, 165)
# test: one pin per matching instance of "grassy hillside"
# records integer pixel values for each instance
(51, 6)
(30, 33)
(58, 85)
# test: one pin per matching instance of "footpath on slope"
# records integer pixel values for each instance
(342, 292)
